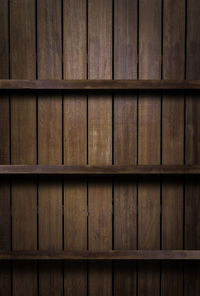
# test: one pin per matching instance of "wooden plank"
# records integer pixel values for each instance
(4, 74)
(100, 170)
(143, 255)
(125, 233)
(173, 143)
(50, 143)
(5, 239)
(105, 84)
(5, 217)
(148, 145)
(192, 147)
(172, 234)
(125, 143)
(75, 145)
(100, 142)
(192, 241)
(23, 143)
(193, 71)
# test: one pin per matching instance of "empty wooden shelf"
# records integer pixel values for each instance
(105, 255)
(99, 170)
(13, 84)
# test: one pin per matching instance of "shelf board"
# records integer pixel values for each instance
(99, 170)
(99, 84)
(105, 255)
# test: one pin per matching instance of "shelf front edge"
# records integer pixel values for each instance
(98, 170)
(12, 84)
(106, 255)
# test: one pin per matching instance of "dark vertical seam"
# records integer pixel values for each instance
(36, 41)
(62, 94)
(138, 49)
(113, 136)
(10, 152)
(137, 152)
(185, 122)
(9, 98)
(37, 138)
(161, 117)
(162, 76)
(87, 238)
(185, 105)
(161, 265)
(87, 155)
(62, 37)
(113, 245)
(37, 141)
(161, 133)
(63, 178)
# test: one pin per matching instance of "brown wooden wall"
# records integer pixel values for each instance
(99, 39)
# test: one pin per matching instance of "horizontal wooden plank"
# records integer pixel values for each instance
(98, 84)
(99, 170)
(104, 255)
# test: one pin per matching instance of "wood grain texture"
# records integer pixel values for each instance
(23, 142)
(75, 129)
(100, 142)
(173, 68)
(125, 233)
(5, 238)
(5, 217)
(125, 39)
(75, 145)
(125, 209)
(193, 71)
(100, 129)
(23, 65)
(149, 68)
(124, 255)
(5, 225)
(75, 225)
(50, 143)
(149, 118)
(100, 170)
(73, 117)
(192, 238)
(125, 143)
(75, 66)
(98, 84)
(173, 143)
(4, 74)
(192, 153)
(148, 146)
(172, 234)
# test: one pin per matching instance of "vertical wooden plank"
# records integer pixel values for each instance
(4, 74)
(173, 143)
(193, 72)
(50, 143)
(5, 238)
(173, 68)
(5, 218)
(125, 143)
(192, 156)
(23, 140)
(149, 143)
(75, 144)
(125, 233)
(100, 142)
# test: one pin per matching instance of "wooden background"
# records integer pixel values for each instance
(99, 39)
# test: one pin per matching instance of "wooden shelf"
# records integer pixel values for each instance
(99, 84)
(106, 255)
(99, 170)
